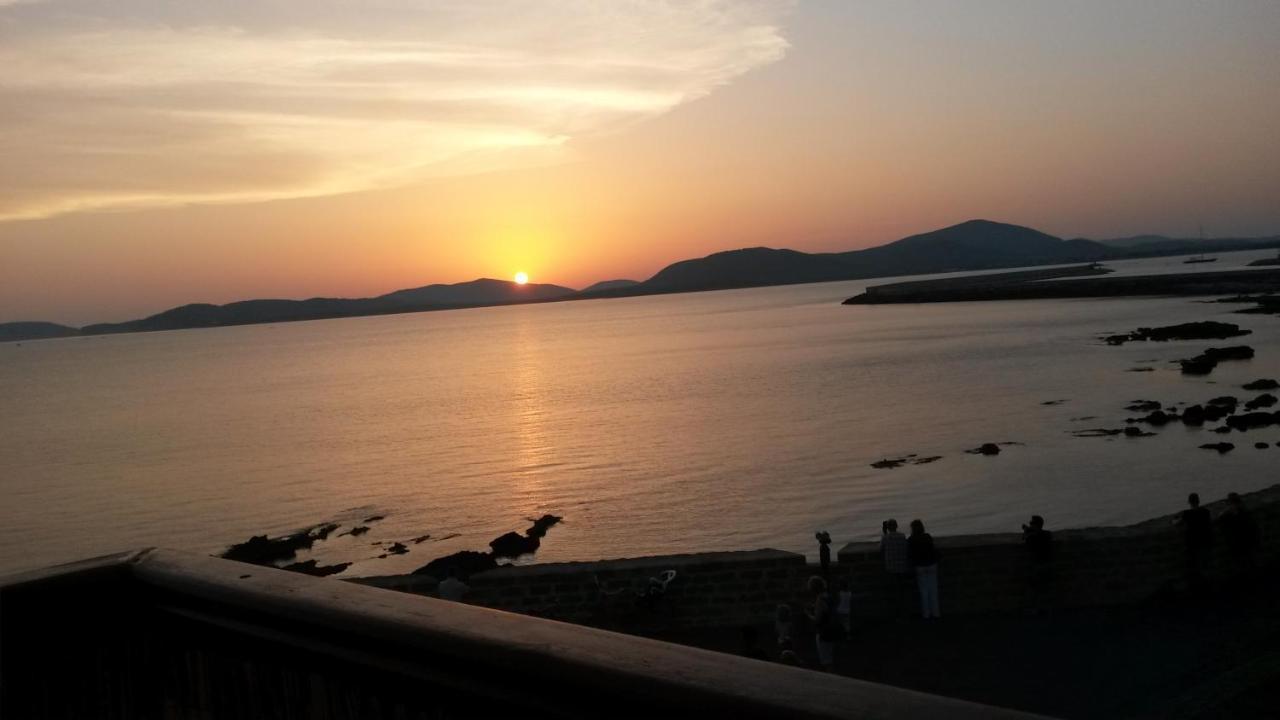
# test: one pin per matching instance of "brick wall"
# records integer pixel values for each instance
(977, 574)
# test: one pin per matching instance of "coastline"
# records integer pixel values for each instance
(1036, 286)
(984, 573)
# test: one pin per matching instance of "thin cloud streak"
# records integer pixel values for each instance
(135, 104)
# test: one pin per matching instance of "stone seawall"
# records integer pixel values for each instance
(977, 574)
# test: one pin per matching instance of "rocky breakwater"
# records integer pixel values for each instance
(1039, 285)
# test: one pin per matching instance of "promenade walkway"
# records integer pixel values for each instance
(1171, 658)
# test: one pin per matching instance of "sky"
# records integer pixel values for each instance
(159, 152)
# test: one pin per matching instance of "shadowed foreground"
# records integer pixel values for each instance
(168, 634)
(1170, 658)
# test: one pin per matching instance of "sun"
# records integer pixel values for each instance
(522, 277)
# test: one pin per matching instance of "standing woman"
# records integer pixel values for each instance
(924, 558)
(825, 624)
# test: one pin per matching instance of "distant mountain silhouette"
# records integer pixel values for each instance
(610, 285)
(34, 331)
(475, 293)
(972, 245)
(484, 291)
(747, 268)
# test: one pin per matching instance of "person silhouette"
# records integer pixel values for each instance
(1198, 532)
(924, 558)
(824, 553)
(825, 623)
(1239, 532)
(1039, 544)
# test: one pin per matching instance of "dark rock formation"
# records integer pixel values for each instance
(542, 525)
(1262, 401)
(1159, 418)
(1136, 432)
(926, 460)
(356, 531)
(1234, 352)
(1225, 401)
(1208, 330)
(985, 449)
(513, 544)
(1141, 369)
(1197, 366)
(1143, 406)
(1262, 384)
(420, 539)
(1249, 421)
(1204, 363)
(1098, 432)
(311, 567)
(322, 532)
(1221, 447)
(1261, 445)
(466, 562)
(1193, 416)
(261, 550)
(375, 518)
(890, 463)
(397, 549)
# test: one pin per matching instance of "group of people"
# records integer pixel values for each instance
(1236, 526)
(914, 555)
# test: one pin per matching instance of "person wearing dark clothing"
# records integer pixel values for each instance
(824, 553)
(1039, 541)
(751, 643)
(825, 623)
(924, 558)
(1197, 526)
(1239, 532)
(1039, 544)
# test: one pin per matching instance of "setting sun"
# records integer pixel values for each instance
(522, 278)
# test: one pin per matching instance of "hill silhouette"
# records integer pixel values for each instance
(475, 293)
(746, 268)
(25, 330)
(971, 245)
(609, 285)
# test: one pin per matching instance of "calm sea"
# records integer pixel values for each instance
(683, 423)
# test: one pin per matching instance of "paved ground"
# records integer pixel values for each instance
(1216, 657)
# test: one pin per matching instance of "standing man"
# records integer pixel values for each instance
(893, 548)
(1197, 526)
(1039, 544)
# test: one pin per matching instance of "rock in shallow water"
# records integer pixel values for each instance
(512, 545)
(1262, 401)
(1186, 331)
(311, 567)
(1221, 447)
(261, 550)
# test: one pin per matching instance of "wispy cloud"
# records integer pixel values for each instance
(137, 103)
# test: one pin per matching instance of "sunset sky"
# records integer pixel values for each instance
(157, 152)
